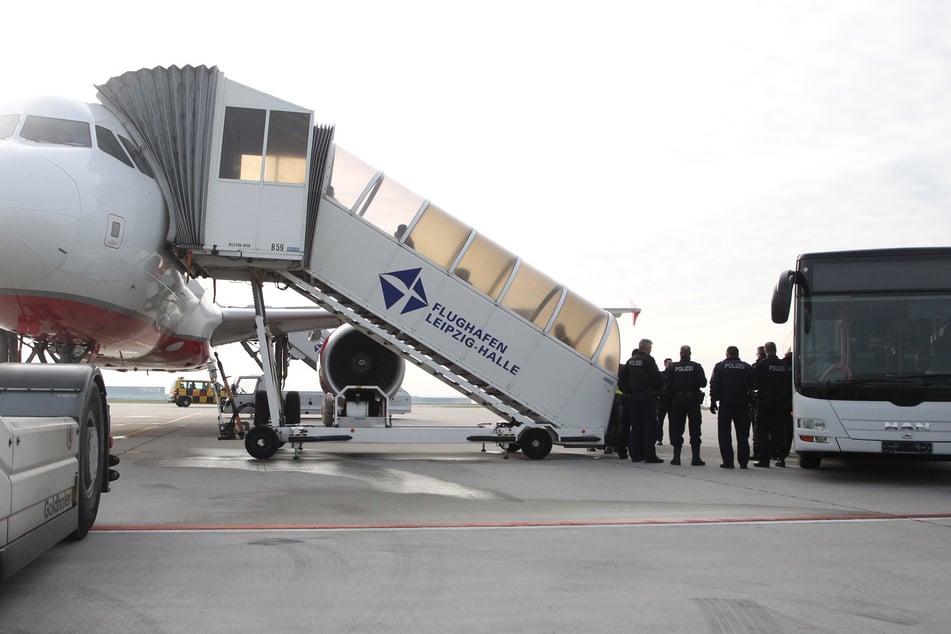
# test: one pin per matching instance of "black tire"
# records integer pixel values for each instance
(809, 460)
(292, 408)
(183, 401)
(535, 443)
(261, 442)
(327, 411)
(262, 411)
(93, 458)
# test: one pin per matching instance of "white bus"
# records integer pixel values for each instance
(871, 353)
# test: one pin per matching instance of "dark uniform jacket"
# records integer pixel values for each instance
(685, 376)
(640, 374)
(731, 382)
(772, 378)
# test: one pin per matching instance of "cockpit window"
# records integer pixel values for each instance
(136, 156)
(59, 131)
(109, 144)
(8, 123)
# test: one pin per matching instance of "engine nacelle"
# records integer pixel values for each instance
(349, 357)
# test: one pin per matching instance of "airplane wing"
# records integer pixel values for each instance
(237, 324)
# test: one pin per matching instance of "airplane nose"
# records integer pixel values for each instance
(39, 212)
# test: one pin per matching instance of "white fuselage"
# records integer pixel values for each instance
(82, 257)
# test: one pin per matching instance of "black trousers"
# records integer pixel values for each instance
(730, 417)
(617, 430)
(684, 407)
(641, 412)
(768, 439)
(661, 415)
(782, 434)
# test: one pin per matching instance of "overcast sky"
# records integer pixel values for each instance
(676, 154)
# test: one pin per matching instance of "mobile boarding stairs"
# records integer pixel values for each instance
(257, 192)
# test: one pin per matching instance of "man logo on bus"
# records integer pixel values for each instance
(406, 284)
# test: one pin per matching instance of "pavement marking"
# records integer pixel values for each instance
(380, 478)
(802, 519)
(158, 425)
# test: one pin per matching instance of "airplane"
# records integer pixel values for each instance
(84, 271)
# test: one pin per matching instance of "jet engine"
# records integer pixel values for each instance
(349, 357)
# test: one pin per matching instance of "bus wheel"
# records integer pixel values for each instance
(92, 447)
(809, 460)
(261, 442)
(183, 401)
(535, 443)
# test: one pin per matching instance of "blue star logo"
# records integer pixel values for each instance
(399, 285)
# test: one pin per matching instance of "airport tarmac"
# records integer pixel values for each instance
(198, 536)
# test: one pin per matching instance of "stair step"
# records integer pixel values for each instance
(430, 361)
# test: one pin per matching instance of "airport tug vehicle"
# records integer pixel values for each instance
(54, 457)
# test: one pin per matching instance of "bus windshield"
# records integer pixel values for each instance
(884, 346)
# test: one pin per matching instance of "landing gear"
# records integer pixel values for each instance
(262, 409)
(292, 409)
(327, 414)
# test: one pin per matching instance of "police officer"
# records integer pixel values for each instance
(685, 379)
(760, 354)
(662, 406)
(771, 378)
(640, 381)
(785, 434)
(616, 433)
(730, 386)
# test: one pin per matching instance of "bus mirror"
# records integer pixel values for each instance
(782, 297)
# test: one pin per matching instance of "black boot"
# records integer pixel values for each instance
(676, 458)
(696, 462)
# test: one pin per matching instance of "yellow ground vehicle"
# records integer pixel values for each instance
(184, 392)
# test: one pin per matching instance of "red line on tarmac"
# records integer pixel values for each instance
(526, 524)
